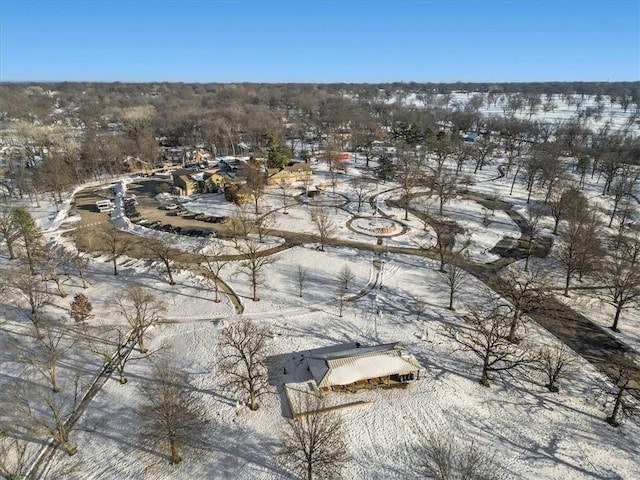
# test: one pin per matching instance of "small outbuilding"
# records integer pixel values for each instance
(353, 366)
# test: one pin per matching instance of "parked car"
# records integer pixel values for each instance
(172, 206)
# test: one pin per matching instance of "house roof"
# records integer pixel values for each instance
(346, 365)
(295, 168)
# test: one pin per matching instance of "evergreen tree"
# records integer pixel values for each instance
(385, 167)
(278, 153)
(81, 308)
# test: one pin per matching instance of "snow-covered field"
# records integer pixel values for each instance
(533, 433)
(558, 108)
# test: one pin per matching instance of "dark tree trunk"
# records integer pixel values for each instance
(567, 282)
(616, 319)
(612, 420)
(175, 457)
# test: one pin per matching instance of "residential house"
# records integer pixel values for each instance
(184, 182)
(295, 172)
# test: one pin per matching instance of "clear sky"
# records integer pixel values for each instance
(319, 41)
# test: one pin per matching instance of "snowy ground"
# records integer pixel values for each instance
(561, 111)
(534, 434)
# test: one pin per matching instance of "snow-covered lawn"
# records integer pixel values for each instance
(534, 434)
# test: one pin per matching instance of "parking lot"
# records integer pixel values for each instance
(142, 208)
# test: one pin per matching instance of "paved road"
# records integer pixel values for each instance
(575, 330)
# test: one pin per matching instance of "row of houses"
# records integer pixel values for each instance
(226, 172)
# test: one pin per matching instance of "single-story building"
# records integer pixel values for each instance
(289, 174)
(349, 367)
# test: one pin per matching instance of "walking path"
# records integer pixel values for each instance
(574, 329)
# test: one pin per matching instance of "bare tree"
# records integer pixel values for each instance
(570, 203)
(79, 259)
(301, 278)
(313, 445)
(255, 180)
(214, 264)
(556, 363)
(409, 176)
(32, 290)
(419, 306)
(14, 457)
(112, 345)
(8, 230)
(579, 247)
(482, 151)
(626, 211)
(485, 335)
(532, 231)
(455, 278)
(50, 261)
(346, 276)
(241, 224)
(446, 241)
(624, 373)
(253, 262)
(524, 291)
(552, 170)
(325, 225)
(114, 243)
(243, 347)
(425, 203)
(620, 276)
(141, 309)
(173, 415)
(53, 174)
(462, 153)
(445, 187)
(165, 253)
(441, 457)
(55, 341)
(340, 297)
(307, 181)
(283, 186)
(42, 415)
(264, 225)
(361, 189)
(621, 187)
(590, 251)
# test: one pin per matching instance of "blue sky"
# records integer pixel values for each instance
(319, 41)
